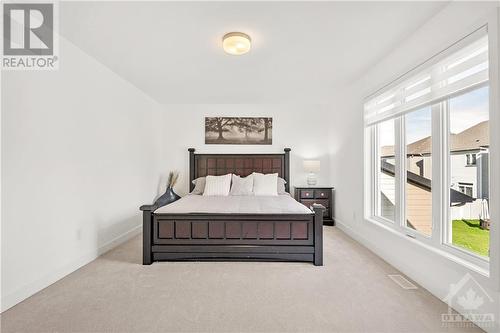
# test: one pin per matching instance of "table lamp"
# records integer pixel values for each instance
(311, 167)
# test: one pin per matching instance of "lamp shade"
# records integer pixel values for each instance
(311, 165)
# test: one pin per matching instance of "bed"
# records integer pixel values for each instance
(243, 228)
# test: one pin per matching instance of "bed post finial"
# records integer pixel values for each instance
(286, 171)
(191, 168)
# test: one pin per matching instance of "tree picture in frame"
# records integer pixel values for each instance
(239, 130)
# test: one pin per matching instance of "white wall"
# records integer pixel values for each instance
(303, 128)
(430, 269)
(461, 173)
(79, 156)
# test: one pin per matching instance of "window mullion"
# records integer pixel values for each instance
(399, 174)
(438, 173)
(374, 182)
(445, 174)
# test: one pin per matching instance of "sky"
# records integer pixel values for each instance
(468, 110)
(465, 111)
(418, 124)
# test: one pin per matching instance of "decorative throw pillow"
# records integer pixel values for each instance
(199, 185)
(242, 186)
(265, 184)
(217, 185)
(281, 186)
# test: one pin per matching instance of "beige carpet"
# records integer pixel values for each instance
(115, 293)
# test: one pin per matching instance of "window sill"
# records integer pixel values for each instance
(485, 271)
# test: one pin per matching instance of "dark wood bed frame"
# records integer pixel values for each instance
(222, 237)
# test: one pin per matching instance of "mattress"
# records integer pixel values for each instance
(280, 204)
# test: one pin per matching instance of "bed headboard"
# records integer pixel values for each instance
(201, 165)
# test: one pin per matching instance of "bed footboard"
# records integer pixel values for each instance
(261, 237)
(147, 223)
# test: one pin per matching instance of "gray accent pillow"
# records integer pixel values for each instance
(281, 186)
(199, 185)
(242, 186)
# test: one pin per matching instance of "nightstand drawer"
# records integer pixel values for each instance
(309, 202)
(306, 194)
(322, 194)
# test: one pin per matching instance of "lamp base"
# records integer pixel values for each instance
(311, 179)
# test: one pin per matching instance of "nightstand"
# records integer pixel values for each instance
(322, 195)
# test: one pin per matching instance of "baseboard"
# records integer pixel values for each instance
(120, 239)
(30, 289)
(350, 232)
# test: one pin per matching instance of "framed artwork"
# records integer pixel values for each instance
(239, 130)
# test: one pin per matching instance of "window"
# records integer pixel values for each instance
(465, 189)
(386, 183)
(471, 159)
(428, 152)
(468, 128)
(418, 187)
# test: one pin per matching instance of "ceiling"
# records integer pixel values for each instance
(301, 51)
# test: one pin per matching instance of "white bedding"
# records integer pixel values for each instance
(248, 204)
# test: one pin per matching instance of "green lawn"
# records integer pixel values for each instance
(468, 234)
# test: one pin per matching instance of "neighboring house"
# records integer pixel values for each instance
(469, 161)
(469, 177)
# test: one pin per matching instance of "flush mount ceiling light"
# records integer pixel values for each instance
(236, 43)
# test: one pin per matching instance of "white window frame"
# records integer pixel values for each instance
(440, 238)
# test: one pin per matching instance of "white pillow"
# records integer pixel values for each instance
(242, 186)
(265, 184)
(217, 185)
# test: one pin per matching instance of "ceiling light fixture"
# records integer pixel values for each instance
(236, 43)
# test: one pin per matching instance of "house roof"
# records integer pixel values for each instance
(456, 197)
(473, 138)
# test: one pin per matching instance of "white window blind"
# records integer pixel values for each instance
(451, 73)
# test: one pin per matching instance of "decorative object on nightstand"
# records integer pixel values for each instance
(169, 196)
(312, 167)
(310, 195)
